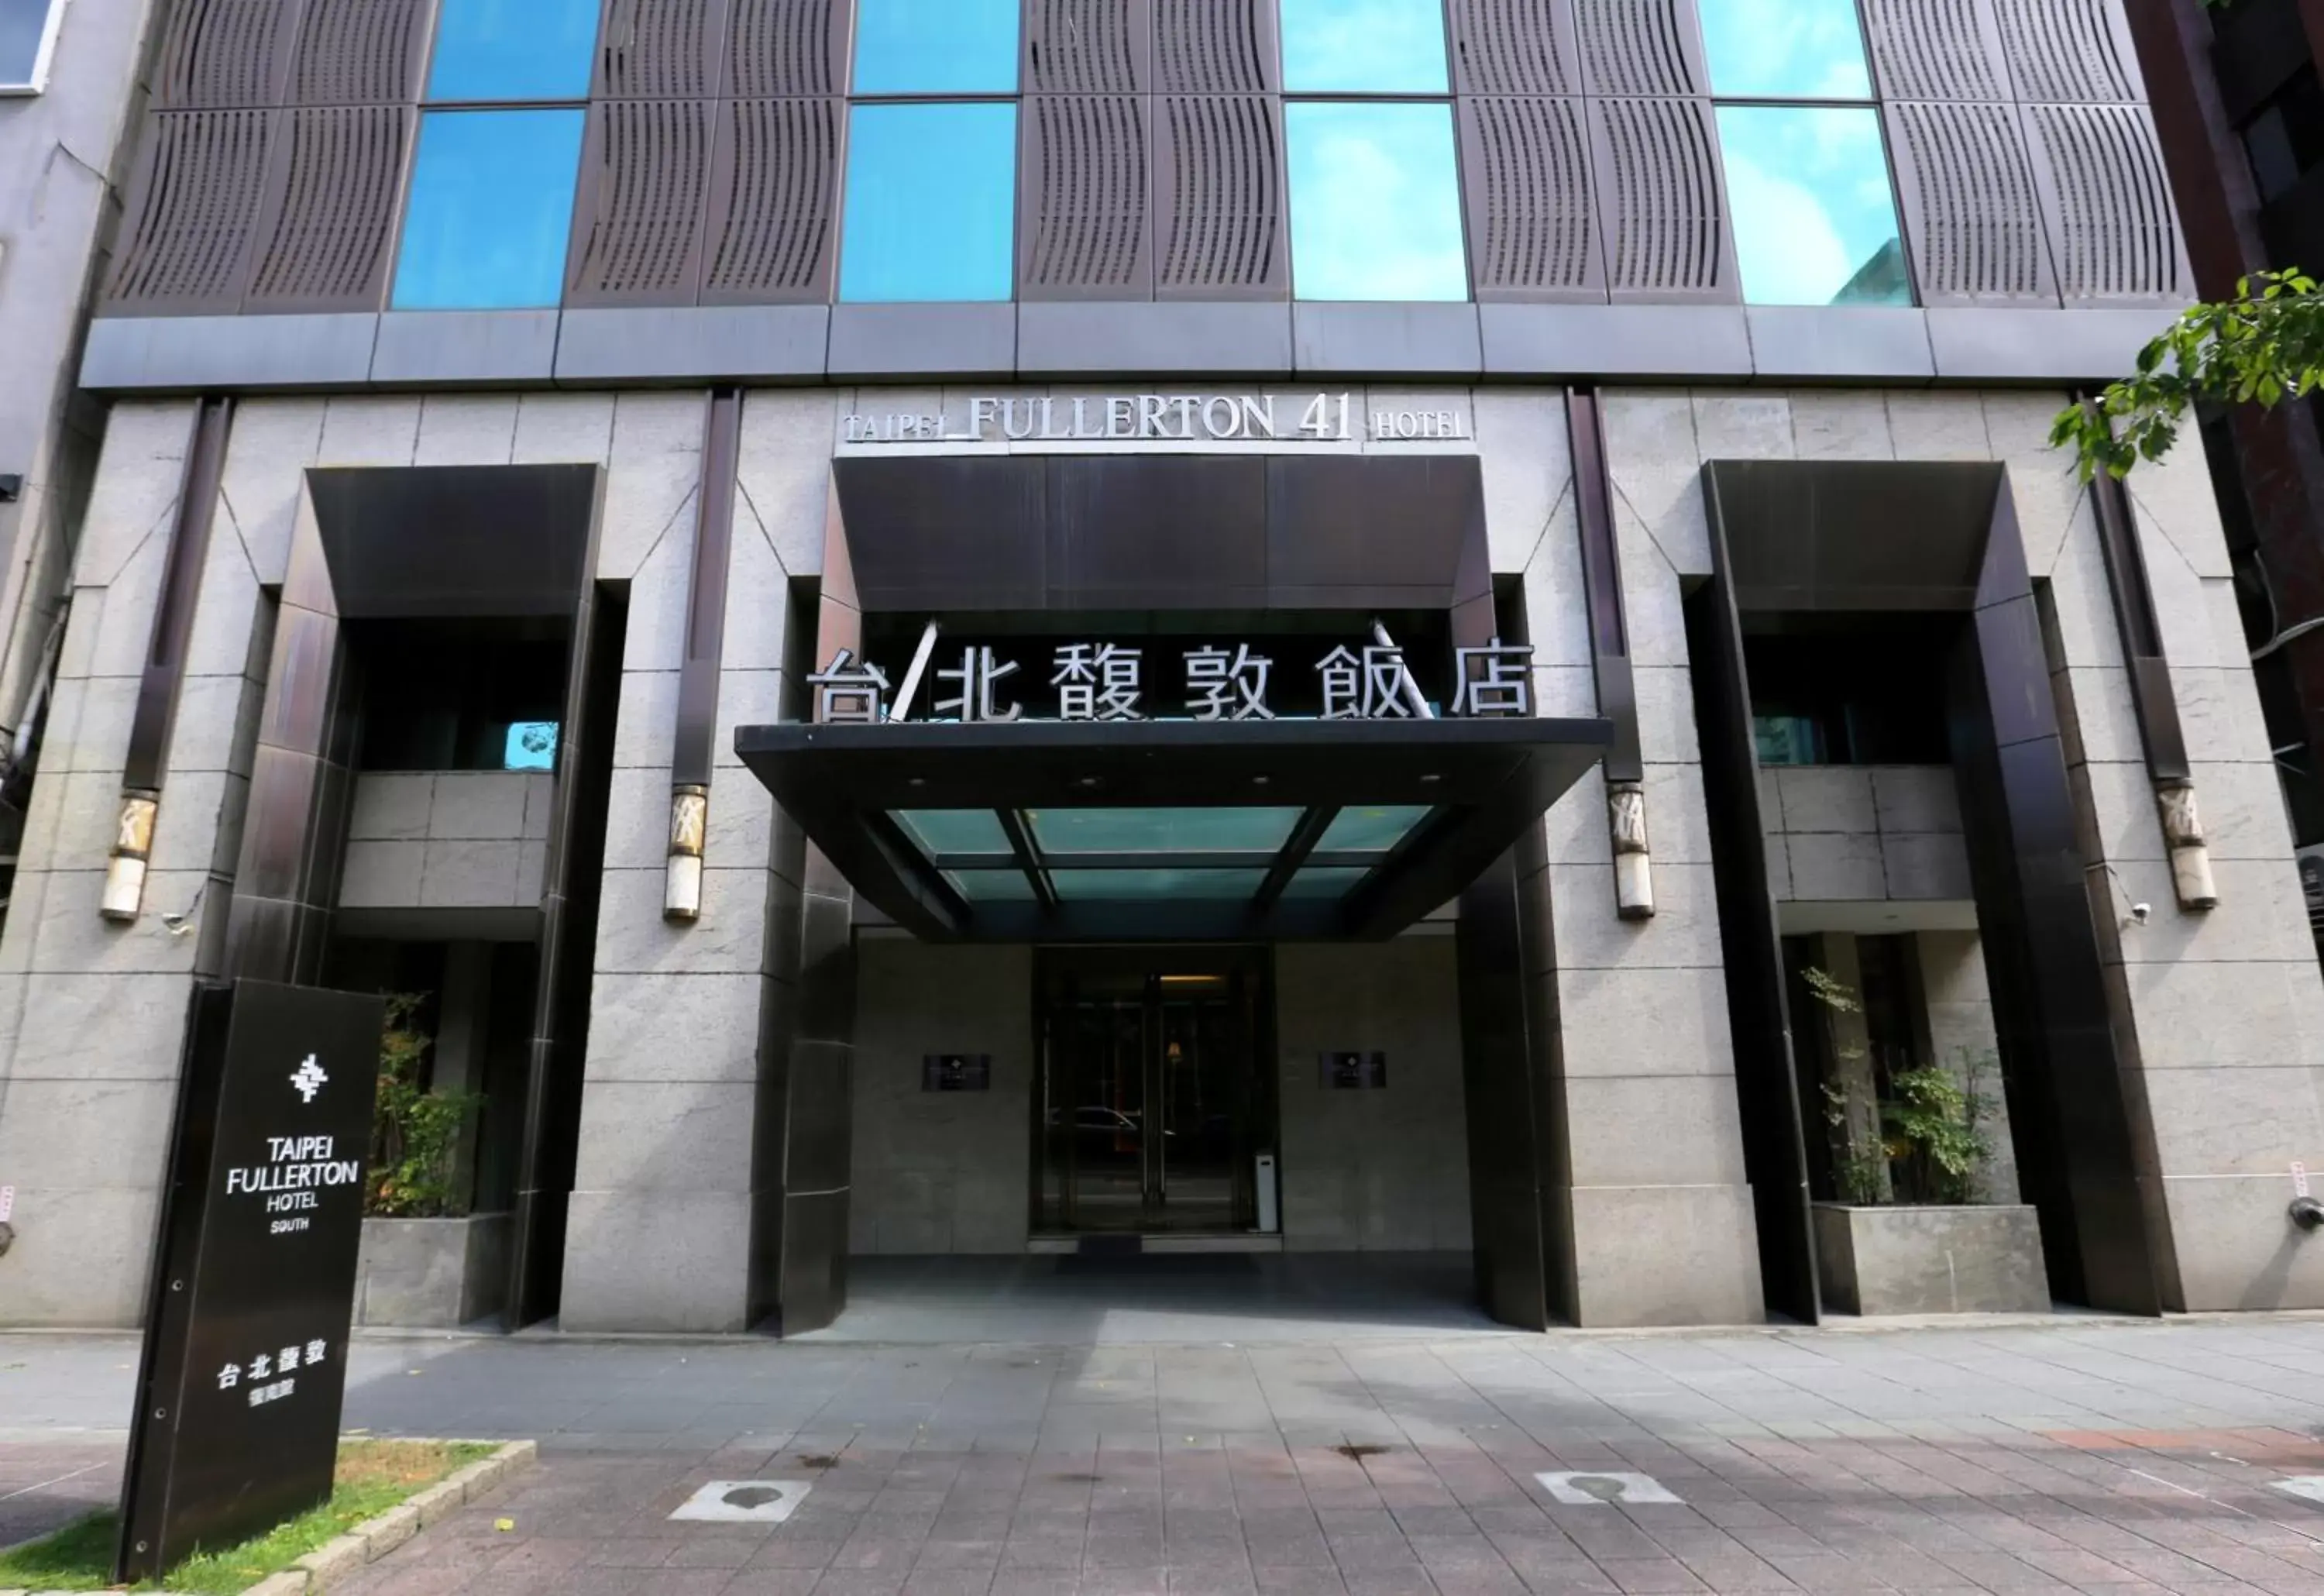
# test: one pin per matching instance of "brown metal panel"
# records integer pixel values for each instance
(1970, 208)
(694, 747)
(1640, 47)
(1216, 47)
(359, 52)
(1601, 584)
(1515, 47)
(785, 48)
(223, 54)
(181, 576)
(1532, 213)
(1085, 220)
(328, 219)
(2106, 205)
(770, 233)
(638, 215)
(2141, 632)
(186, 240)
(660, 49)
(1088, 46)
(2062, 51)
(1935, 49)
(1661, 200)
(1219, 198)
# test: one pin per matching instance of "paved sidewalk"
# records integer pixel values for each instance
(2058, 1455)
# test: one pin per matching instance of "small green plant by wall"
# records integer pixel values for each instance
(1925, 1140)
(415, 1132)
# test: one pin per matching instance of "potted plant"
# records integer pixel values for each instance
(1912, 1229)
(426, 1262)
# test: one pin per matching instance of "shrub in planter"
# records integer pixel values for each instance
(415, 1132)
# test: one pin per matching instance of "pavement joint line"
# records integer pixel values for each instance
(60, 1479)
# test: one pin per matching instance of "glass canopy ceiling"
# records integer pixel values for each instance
(1172, 830)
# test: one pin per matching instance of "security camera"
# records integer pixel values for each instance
(176, 925)
(2140, 913)
(2308, 1213)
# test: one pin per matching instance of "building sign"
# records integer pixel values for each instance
(237, 1423)
(1095, 681)
(1165, 418)
(1355, 1071)
(957, 1072)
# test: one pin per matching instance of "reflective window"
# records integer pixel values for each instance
(931, 203)
(1374, 202)
(1064, 832)
(1333, 881)
(1816, 221)
(491, 208)
(1081, 886)
(992, 886)
(1364, 47)
(23, 29)
(1786, 49)
(513, 49)
(531, 746)
(936, 47)
(954, 831)
(1370, 830)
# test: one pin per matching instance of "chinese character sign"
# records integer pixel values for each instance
(1094, 681)
(237, 1421)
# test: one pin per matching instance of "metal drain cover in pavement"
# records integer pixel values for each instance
(744, 1501)
(1582, 1490)
(2310, 1486)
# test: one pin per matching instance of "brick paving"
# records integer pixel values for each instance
(2059, 1455)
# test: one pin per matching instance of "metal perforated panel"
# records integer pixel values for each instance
(1087, 46)
(1639, 47)
(660, 49)
(186, 239)
(221, 53)
(1515, 47)
(2070, 51)
(1970, 208)
(2107, 204)
(1660, 199)
(1532, 223)
(1088, 206)
(774, 181)
(1935, 49)
(359, 52)
(331, 209)
(1218, 188)
(786, 46)
(644, 170)
(1214, 46)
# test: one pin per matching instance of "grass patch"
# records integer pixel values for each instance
(372, 1477)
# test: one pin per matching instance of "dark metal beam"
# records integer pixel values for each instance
(1029, 856)
(1304, 835)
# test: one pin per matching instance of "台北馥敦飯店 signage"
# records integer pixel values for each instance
(1164, 418)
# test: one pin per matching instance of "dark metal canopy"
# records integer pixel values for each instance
(1168, 830)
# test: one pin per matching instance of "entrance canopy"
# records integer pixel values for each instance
(1168, 830)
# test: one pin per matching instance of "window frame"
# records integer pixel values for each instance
(852, 98)
(44, 51)
(1870, 102)
(1450, 99)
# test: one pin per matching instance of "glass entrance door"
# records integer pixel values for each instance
(1151, 1101)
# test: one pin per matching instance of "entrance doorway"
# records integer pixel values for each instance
(1151, 1107)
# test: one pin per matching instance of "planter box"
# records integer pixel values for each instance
(1973, 1258)
(432, 1274)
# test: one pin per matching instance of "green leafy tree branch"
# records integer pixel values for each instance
(2262, 346)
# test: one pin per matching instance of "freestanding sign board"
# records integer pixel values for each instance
(237, 1422)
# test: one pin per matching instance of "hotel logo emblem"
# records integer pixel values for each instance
(309, 1077)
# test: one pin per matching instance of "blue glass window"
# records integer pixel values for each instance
(1364, 47)
(513, 49)
(1374, 202)
(1370, 830)
(936, 47)
(931, 203)
(1066, 831)
(1081, 886)
(1816, 221)
(491, 210)
(531, 746)
(1786, 49)
(23, 27)
(954, 831)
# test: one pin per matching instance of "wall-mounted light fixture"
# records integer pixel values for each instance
(1634, 860)
(133, 847)
(689, 828)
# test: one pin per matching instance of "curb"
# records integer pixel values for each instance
(374, 1538)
